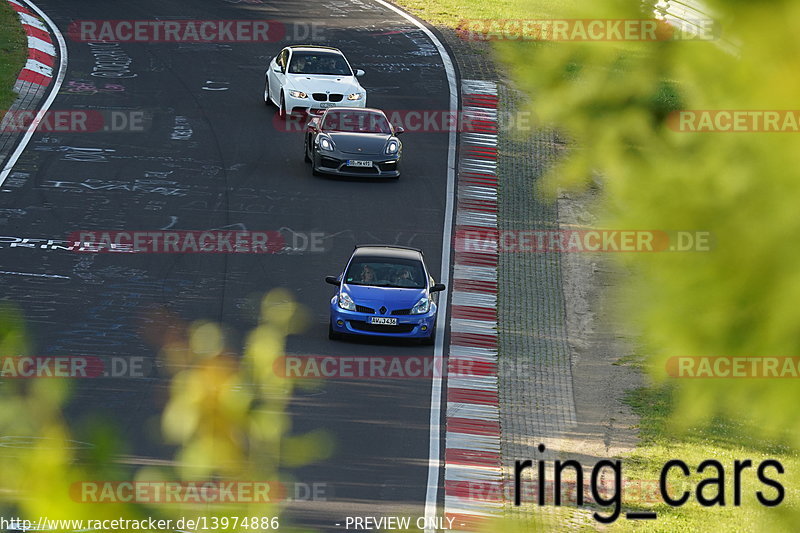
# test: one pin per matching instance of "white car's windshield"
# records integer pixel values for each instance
(319, 63)
(356, 122)
(382, 272)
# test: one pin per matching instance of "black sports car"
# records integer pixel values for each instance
(353, 142)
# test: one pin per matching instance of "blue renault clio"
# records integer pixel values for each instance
(385, 291)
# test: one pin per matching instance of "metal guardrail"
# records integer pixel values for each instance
(686, 14)
(692, 18)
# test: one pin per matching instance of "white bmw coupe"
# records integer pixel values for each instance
(312, 77)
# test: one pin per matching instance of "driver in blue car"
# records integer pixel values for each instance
(367, 275)
(404, 278)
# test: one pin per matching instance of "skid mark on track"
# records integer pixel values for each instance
(53, 276)
(173, 220)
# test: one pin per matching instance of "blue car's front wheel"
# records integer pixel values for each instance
(431, 339)
(332, 335)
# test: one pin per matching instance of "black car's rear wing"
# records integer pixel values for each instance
(388, 246)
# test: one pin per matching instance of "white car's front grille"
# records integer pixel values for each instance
(322, 97)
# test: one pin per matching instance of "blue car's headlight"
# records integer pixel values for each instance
(422, 307)
(392, 147)
(345, 302)
(325, 143)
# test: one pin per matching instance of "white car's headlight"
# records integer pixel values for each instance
(392, 146)
(422, 307)
(345, 302)
(355, 96)
(298, 94)
(325, 143)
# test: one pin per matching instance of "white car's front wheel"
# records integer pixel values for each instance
(266, 93)
(282, 108)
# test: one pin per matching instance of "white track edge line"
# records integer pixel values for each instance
(62, 72)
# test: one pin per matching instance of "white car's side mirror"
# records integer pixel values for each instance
(359, 73)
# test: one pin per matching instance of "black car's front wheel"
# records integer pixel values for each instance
(305, 151)
(314, 171)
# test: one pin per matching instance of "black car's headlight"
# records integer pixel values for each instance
(392, 147)
(421, 307)
(325, 143)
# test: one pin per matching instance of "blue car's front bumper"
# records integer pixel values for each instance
(356, 323)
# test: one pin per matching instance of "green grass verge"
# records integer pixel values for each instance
(13, 53)
(451, 12)
(723, 441)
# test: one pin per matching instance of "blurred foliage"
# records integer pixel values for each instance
(738, 300)
(225, 414)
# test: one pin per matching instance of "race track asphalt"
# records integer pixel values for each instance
(212, 155)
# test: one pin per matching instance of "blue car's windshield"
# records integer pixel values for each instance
(382, 272)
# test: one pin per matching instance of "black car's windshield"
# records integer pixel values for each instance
(319, 63)
(356, 121)
(386, 272)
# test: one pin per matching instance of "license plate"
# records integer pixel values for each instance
(384, 320)
(327, 104)
(358, 163)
